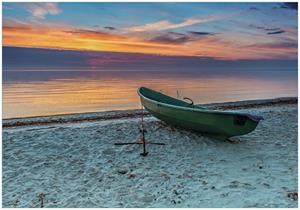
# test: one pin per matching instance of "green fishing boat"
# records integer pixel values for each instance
(222, 124)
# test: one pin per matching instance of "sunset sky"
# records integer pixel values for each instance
(225, 31)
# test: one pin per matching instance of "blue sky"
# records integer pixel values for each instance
(217, 30)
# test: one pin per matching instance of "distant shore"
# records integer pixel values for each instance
(119, 114)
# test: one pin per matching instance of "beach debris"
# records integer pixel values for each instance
(176, 201)
(234, 184)
(233, 141)
(204, 182)
(293, 195)
(41, 198)
(131, 176)
(122, 171)
(165, 175)
(225, 194)
(260, 163)
(16, 203)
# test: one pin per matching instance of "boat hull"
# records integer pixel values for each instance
(217, 123)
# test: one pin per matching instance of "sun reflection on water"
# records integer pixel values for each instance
(113, 91)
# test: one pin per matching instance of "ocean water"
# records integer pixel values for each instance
(49, 92)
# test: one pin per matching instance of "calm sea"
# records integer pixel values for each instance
(37, 93)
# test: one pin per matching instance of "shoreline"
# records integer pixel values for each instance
(134, 113)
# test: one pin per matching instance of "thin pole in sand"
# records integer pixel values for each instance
(142, 139)
(143, 134)
(41, 199)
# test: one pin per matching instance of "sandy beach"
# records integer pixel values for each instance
(72, 159)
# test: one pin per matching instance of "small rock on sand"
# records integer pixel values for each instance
(122, 171)
(131, 176)
(293, 195)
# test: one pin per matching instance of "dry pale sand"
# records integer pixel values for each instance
(78, 165)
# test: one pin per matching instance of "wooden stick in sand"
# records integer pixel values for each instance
(142, 138)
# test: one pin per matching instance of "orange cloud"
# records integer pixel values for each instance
(77, 39)
(66, 37)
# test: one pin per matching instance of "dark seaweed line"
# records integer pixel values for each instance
(138, 113)
(259, 104)
(68, 120)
